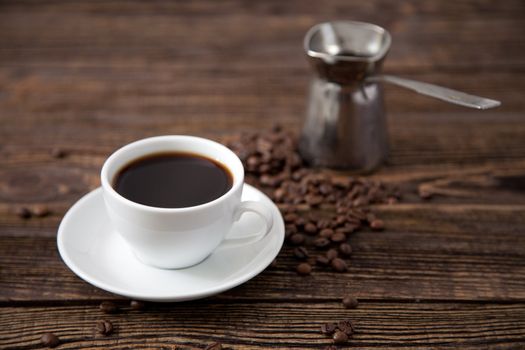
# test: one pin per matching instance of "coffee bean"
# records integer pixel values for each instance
(345, 229)
(273, 263)
(321, 242)
(253, 162)
(58, 153)
(338, 237)
(331, 254)
(304, 269)
(323, 223)
(310, 228)
(345, 249)
(289, 231)
(326, 233)
(340, 337)
(350, 302)
(300, 221)
(50, 340)
(346, 327)
(424, 194)
(297, 238)
(330, 347)
(267, 180)
(214, 346)
(322, 260)
(341, 182)
(40, 211)
(339, 265)
(313, 200)
(342, 210)
(325, 189)
(377, 225)
(104, 327)
(136, 305)
(391, 200)
(291, 218)
(358, 214)
(279, 194)
(301, 253)
(108, 307)
(360, 201)
(339, 220)
(23, 213)
(328, 328)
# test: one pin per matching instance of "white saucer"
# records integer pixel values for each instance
(92, 250)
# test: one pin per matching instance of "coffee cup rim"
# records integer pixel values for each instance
(238, 177)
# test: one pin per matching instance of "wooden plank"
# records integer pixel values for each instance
(258, 325)
(239, 96)
(225, 34)
(433, 251)
(421, 138)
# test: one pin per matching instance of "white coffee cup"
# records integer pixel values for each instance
(179, 237)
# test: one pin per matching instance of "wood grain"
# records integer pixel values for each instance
(264, 325)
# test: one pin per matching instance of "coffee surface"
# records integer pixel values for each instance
(173, 180)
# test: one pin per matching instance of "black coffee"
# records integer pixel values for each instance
(173, 180)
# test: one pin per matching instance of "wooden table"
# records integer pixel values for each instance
(88, 77)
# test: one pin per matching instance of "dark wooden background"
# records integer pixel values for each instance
(88, 77)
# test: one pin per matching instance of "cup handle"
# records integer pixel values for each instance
(254, 207)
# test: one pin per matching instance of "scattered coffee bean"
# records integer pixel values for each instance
(23, 213)
(104, 327)
(339, 265)
(50, 340)
(214, 346)
(291, 217)
(304, 269)
(322, 260)
(331, 254)
(424, 194)
(136, 305)
(328, 328)
(297, 239)
(274, 263)
(345, 249)
(340, 220)
(377, 225)
(40, 211)
(268, 180)
(338, 237)
(321, 242)
(300, 221)
(290, 229)
(313, 200)
(272, 161)
(340, 337)
(346, 327)
(330, 347)
(350, 302)
(58, 153)
(310, 227)
(326, 233)
(279, 194)
(301, 253)
(108, 307)
(346, 229)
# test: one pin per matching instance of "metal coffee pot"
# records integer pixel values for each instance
(345, 124)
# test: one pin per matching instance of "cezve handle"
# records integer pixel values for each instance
(439, 92)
